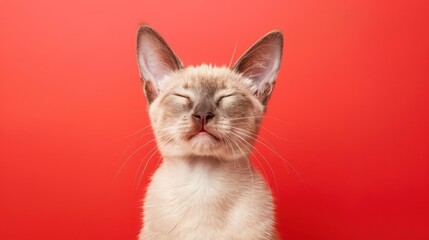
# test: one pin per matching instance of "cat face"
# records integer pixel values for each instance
(204, 110)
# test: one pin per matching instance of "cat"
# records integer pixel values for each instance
(205, 120)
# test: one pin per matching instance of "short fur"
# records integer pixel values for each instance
(205, 120)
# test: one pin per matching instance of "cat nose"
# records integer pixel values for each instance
(203, 117)
(203, 112)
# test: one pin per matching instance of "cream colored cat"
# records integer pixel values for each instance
(205, 120)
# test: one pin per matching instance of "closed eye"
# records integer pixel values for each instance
(225, 96)
(180, 95)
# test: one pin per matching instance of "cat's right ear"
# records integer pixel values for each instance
(155, 59)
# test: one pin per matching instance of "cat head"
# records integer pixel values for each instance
(205, 110)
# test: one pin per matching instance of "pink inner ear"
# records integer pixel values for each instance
(157, 62)
(262, 61)
(266, 66)
(155, 58)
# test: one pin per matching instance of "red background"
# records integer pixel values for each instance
(350, 106)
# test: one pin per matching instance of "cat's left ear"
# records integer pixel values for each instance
(261, 64)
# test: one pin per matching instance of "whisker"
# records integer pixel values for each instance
(145, 166)
(238, 118)
(275, 135)
(261, 116)
(232, 57)
(131, 156)
(138, 131)
(257, 160)
(151, 151)
(147, 162)
(273, 150)
(135, 140)
(228, 143)
(248, 163)
(250, 133)
(216, 152)
(180, 127)
(266, 160)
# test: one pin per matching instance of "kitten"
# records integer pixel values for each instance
(205, 120)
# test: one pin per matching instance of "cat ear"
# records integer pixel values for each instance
(155, 59)
(261, 64)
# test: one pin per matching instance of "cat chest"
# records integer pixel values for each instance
(192, 201)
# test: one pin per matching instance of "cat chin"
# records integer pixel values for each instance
(203, 145)
(218, 151)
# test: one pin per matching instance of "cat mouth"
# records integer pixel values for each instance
(203, 133)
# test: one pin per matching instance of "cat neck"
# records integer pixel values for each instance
(206, 182)
(203, 166)
(194, 161)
